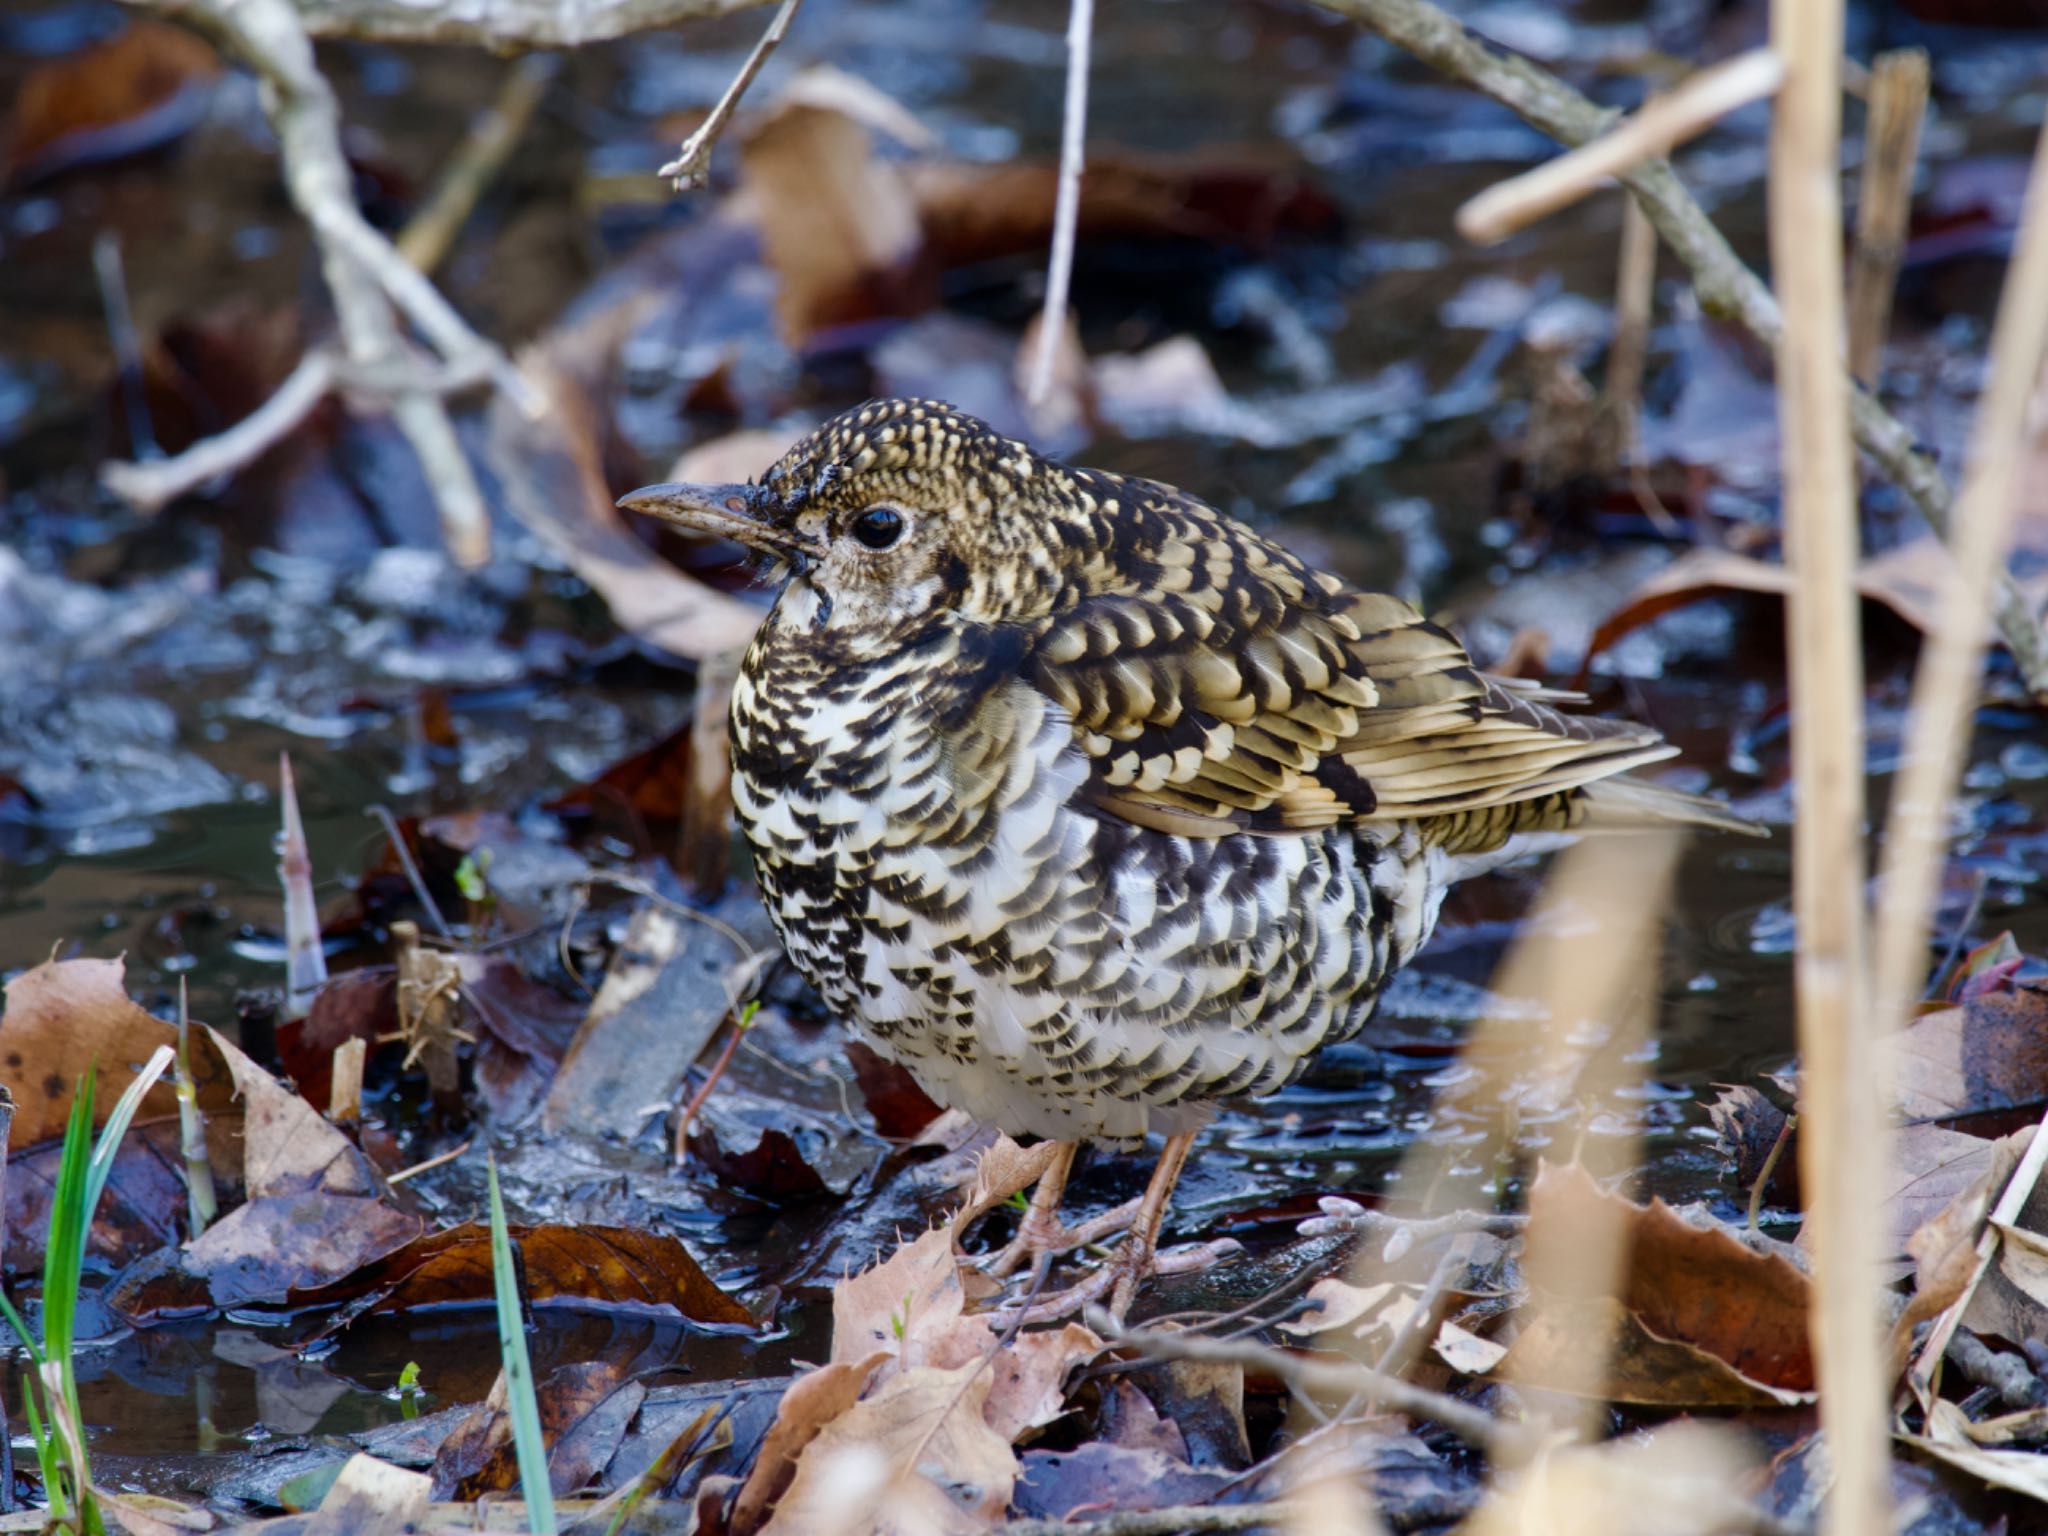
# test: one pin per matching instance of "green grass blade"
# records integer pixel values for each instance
(520, 1400)
(117, 1125)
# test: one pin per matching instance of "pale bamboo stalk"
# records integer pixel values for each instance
(1884, 201)
(1842, 1150)
(1660, 126)
(1946, 687)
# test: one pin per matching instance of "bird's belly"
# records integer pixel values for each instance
(1056, 972)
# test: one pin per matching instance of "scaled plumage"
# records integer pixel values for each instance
(1089, 804)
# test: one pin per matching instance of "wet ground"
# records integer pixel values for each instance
(1380, 376)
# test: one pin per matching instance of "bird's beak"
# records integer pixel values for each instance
(751, 515)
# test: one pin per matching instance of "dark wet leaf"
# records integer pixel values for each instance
(142, 1210)
(1057, 1485)
(265, 1252)
(1206, 1399)
(356, 1005)
(136, 91)
(595, 1266)
(584, 1410)
(523, 1030)
(1749, 1127)
(900, 1108)
(639, 794)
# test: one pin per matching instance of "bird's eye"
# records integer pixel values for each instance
(878, 527)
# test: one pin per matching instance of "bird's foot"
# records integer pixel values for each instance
(1118, 1278)
(1042, 1237)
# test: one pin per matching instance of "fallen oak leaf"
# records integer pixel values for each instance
(815, 1399)
(611, 1267)
(1700, 1318)
(918, 1447)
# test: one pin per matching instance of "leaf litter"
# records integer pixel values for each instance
(798, 1183)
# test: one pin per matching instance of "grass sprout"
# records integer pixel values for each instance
(50, 1399)
(520, 1400)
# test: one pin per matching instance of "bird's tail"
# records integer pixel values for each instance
(1623, 803)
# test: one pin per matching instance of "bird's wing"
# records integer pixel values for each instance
(1238, 691)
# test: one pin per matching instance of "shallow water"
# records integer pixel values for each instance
(155, 668)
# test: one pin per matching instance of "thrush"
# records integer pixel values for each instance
(1092, 806)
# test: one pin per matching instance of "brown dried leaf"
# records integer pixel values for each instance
(132, 92)
(585, 1407)
(288, 1147)
(613, 1266)
(910, 1308)
(277, 1246)
(1029, 1377)
(814, 1399)
(1989, 1054)
(67, 1017)
(1701, 1318)
(917, 1455)
(837, 222)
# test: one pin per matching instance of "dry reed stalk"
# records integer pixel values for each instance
(1842, 1142)
(1946, 687)
(305, 960)
(1884, 200)
(1661, 125)
(1586, 954)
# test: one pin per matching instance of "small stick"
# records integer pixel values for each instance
(704, 830)
(1066, 215)
(305, 961)
(691, 167)
(431, 1163)
(1635, 284)
(1330, 1378)
(345, 1090)
(113, 281)
(1884, 201)
(202, 1204)
(1663, 123)
(476, 162)
(1763, 1176)
(1843, 1145)
(742, 1022)
(1270, 1515)
(413, 877)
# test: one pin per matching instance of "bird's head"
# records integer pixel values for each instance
(900, 509)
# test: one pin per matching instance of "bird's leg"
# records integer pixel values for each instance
(1042, 1236)
(1133, 1259)
(1137, 1256)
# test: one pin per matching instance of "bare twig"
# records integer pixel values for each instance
(1066, 213)
(691, 167)
(1663, 123)
(1621, 395)
(365, 274)
(1842, 1148)
(1726, 287)
(413, 876)
(439, 1160)
(1884, 200)
(492, 137)
(1329, 1378)
(1160, 1522)
(504, 25)
(154, 483)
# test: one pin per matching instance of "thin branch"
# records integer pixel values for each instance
(691, 167)
(1332, 1379)
(493, 135)
(1066, 214)
(1726, 287)
(152, 484)
(1273, 1515)
(504, 26)
(1663, 123)
(364, 272)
